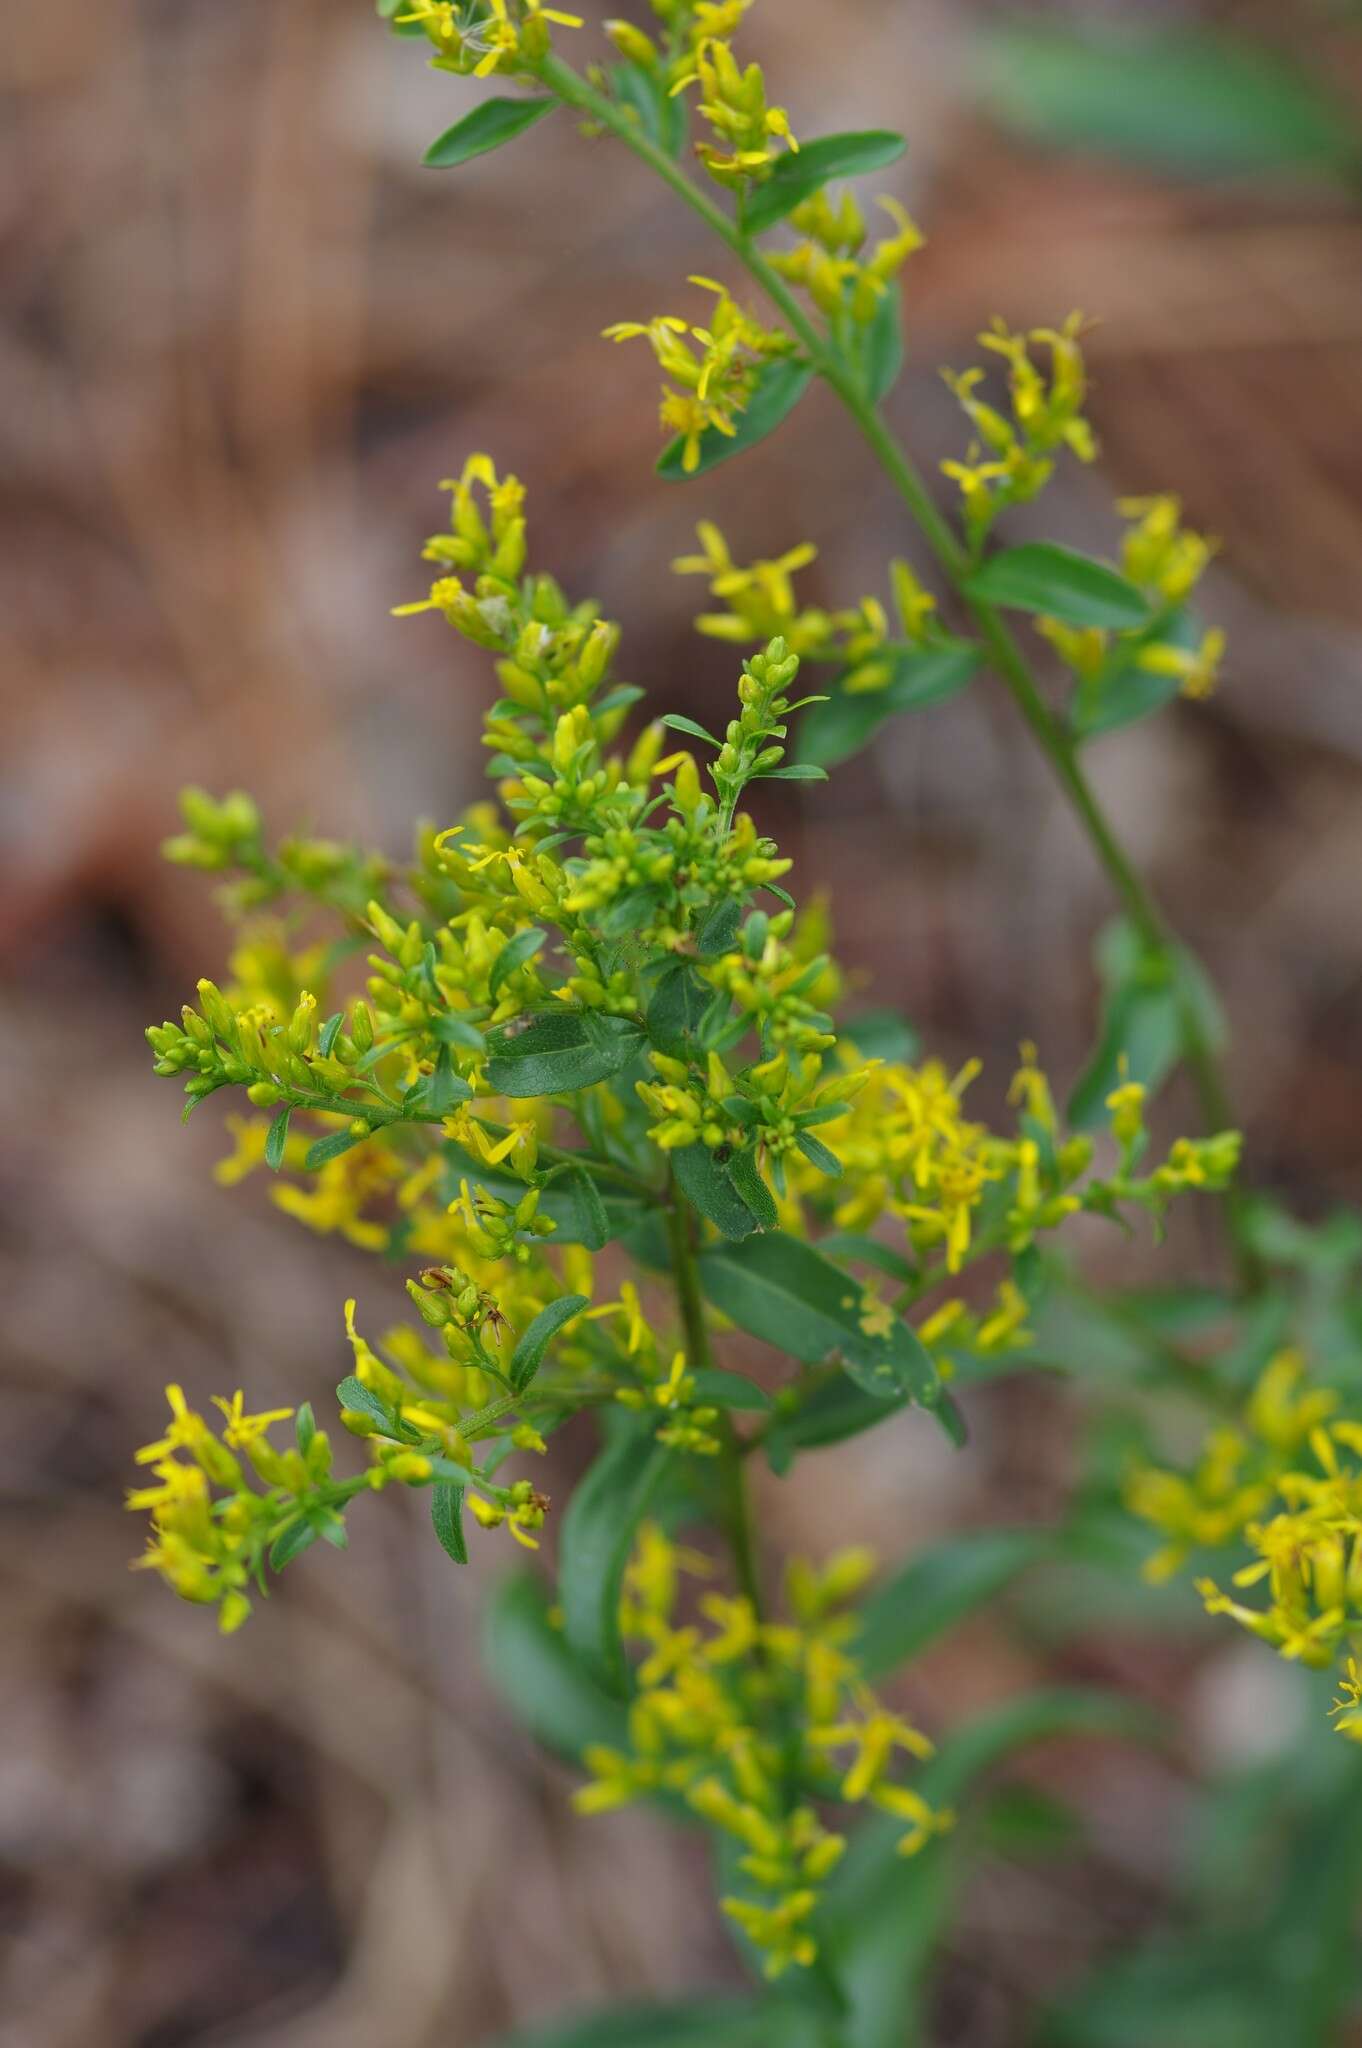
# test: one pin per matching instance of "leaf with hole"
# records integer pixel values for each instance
(779, 1289)
(560, 1051)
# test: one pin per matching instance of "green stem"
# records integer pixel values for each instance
(1056, 745)
(700, 1358)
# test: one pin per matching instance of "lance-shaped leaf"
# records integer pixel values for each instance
(1055, 582)
(937, 1590)
(833, 731)
(779, 388)
(884, 1915)
(331, 1147)
(275, 1140)
(514, 954)
(801, 172)
(446, 1515)
(1185, 100)
(777, 1288)
(538, 1676)
(727, 1191)
(528, 1355)
(597, 1536)
(487, 127)
(560, 1051)
(882, 344)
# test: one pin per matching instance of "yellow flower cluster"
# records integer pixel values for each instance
(733, 101)
(1012, 458)
(208, 1547)
(485, 36)
(910, 1152)
(737, 1716)
(830, 263)
(712, 369)
(1167, 561)
(1285, 1484)
(761, 602)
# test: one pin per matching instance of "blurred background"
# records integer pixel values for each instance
(243, 337)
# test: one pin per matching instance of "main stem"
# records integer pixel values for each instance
(700, 1358)
(1011, 664)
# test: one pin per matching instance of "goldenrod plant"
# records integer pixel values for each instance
(595, 1019)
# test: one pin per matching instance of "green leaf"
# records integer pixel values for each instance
(1041, 577)
(678, 1004)
(361, 1400)
(662, 116)
(629, 912)
(799, 173)
(730, 1390)
(709, 1185)
(514, 954)
(275, 1140)
(446, 1515)
(793, 772)
(487, 127)
(559, 1052)
(442, 1089)
(697, 2023)
(1142, 1022)
(533, 1342)
(452, 1029)
(561, 1199)
(883, 1035)
(779, 388)
(883, 1915)
(818, 1154)
(882, 345)
(531, 1666)
(783, 1291)
(1124, 692)
(331, 1147)
(939, 1588)
(291, 1542)
(593, 1219)
(597, 1536)
(831, 1415)
(329, 1033)
(676, 723)
(1181, 100)
(832, 732)
(852, 1246)
(718, 931)
(304, 1426)
(747, 1179)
